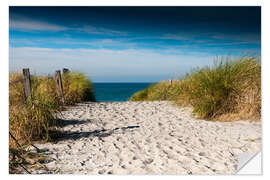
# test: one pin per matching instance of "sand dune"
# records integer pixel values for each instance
(147, 138)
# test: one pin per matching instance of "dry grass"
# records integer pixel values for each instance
(158, 92)
(32, 119)
(77, 88)
(228, 91)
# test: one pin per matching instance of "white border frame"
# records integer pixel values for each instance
(4, 66)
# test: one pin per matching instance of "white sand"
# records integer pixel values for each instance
(148, 138)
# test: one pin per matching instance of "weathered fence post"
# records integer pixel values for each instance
(59, 85)
(170, 82)
(27, 84)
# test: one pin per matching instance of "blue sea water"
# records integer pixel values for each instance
(108, 92)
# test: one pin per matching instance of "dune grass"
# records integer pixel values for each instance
(77, 88)
(228, 91)
(158, 92)
(32, 119)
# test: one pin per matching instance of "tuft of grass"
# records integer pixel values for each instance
(77, 88)
(164, 91)
(230, 90)
(46, 88)
(141, 95)
(157, 92)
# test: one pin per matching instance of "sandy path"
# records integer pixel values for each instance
(148, 138)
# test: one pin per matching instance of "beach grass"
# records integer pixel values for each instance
(32, 119)
(77, 88)
(229, 90)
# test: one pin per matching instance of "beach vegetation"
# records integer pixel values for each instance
(33, 119)
(227, 91)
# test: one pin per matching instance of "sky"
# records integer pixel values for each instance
(129, 44)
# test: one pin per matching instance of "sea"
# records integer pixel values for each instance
(110, 92)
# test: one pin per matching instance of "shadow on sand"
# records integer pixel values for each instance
(58, 135)
(62, 123)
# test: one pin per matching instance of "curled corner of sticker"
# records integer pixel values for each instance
(249, 163)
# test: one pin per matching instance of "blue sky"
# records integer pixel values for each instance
(129, 44)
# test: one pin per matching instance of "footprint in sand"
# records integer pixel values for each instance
(154, 148)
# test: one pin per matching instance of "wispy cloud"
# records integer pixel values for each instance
(99, 30)
(123, 39)
(240, 38)
(21, 23)
(179, 36)
(66, 42)
(225, 43)
(203, 48)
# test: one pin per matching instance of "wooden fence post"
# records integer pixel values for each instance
(59, 85)
(170, 82)
(27, 83)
